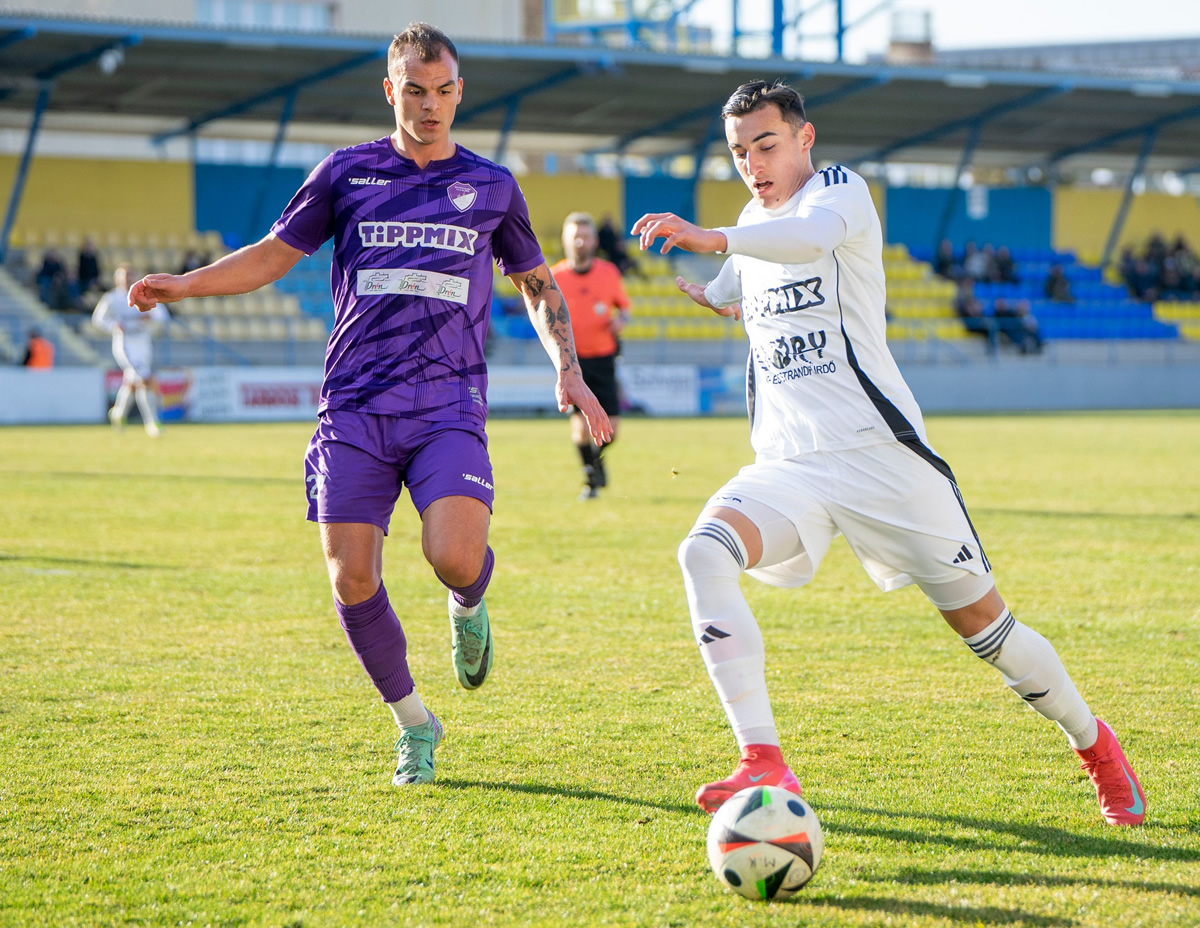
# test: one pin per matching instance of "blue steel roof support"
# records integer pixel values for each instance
(711, 134)
(1192, 112)
(519, 94)
(680, 119)
(78, 61)
(18, 187)
(1114, 234)
(955, 191)
(264, 186)
(510, 120)
(866, 83)
(967, 122)
(284, 90)
(14, 36)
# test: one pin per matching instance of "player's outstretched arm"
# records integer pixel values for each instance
(238, 272)
(548, 313)
(676, 233)
(696, 292)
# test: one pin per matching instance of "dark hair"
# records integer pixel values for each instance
(757, 94)
(427, 41)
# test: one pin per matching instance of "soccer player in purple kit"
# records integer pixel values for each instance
(416, 221)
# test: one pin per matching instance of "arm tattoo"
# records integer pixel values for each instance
(549, 315)
(534, 285)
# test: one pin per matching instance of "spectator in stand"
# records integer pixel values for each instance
(1187, 264)
(52, 273)
(88, 272)
(1004, 269)
(1172, 287)
(1016, 322)
(1058, 288)
(970, 309)
(975, 262)
(612, 247)
(39, 352)
(1127, 266)
(1156, 252)
(1144, 281)
(193, 260)
(944, 262)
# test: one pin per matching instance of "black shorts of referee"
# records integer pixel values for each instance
(600, 375)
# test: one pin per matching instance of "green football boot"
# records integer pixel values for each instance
(471, 646)
(414, 761)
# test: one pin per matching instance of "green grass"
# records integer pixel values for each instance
(186, 738)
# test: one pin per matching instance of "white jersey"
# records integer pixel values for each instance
(820, 376)
(113, 312)
(132, 332)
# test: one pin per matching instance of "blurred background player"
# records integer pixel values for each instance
(403, 400)
(132, 347)
(593, 289)
(840, 448)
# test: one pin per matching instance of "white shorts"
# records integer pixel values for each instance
(134, 353)
(897, 505)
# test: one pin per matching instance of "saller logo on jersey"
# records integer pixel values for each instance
(417, 235)
(788, 299)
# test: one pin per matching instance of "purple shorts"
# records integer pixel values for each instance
(358, 463)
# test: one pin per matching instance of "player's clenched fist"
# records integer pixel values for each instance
(157, 288)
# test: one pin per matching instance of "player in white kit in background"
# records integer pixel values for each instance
(840, 448)
(133, 348)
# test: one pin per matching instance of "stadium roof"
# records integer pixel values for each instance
(184, 79)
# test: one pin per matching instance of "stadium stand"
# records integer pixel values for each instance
(1100, 309)
(270, 325)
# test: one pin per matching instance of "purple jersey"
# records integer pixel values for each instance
(411, 276)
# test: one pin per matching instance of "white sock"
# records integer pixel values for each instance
(409, 711)
(121, 404)
(146, 409)
(1032, 669)
(712, 558)
(458, 609)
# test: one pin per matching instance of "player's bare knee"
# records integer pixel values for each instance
(457, 566)
(353, 583)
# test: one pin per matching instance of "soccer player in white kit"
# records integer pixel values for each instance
(132, 347)
(840, 448)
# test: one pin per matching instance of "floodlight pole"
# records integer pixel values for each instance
(18, 187)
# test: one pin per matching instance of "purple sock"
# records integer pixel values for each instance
(378, 640)
(470, 596)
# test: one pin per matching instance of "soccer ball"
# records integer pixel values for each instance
(765, 843)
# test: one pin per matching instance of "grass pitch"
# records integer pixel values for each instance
(186, 738)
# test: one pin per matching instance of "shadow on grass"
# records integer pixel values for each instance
(1035, 839)
(1003, 878)
(971, 914)
(544, 790)
(82, 562)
